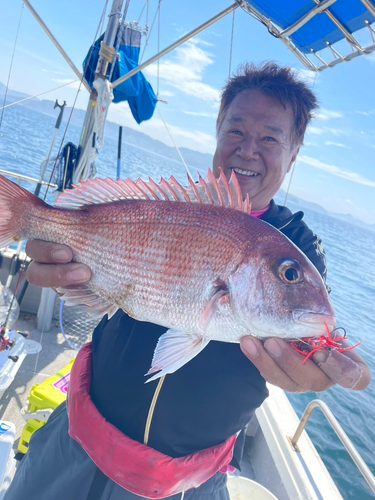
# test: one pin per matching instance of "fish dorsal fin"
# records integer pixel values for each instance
(209, 191)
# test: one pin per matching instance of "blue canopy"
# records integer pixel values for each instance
(313, 35)
(137, 90)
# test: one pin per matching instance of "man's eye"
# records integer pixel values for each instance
(236, 132)
(270, 139)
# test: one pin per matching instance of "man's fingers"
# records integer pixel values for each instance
(281, 365)
(345, 371)
(270, 371)
(56, 275)
(49, 253)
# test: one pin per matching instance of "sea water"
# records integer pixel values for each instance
(25, 137)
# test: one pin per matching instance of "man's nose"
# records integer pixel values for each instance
(248, 149)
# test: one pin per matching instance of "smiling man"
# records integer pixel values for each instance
(255, 140)
(193, 416)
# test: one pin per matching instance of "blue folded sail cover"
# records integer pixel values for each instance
(137, 90)
(320, 29)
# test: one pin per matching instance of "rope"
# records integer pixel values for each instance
(95, 129)
(231, 46)
(108, 53)
(174, 144)
(11, 65)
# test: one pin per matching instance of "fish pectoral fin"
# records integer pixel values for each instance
(173, 350)
(220, 297)
(81, 295)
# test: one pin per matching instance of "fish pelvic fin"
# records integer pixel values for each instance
(96, 306)
(173, 350)
(14, 204)
(209, 191)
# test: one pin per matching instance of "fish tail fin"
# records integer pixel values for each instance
(14, 201)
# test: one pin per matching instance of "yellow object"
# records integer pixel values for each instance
(50, 394)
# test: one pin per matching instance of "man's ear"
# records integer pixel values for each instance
(293, 159)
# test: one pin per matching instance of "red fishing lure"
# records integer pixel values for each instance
(308, 345)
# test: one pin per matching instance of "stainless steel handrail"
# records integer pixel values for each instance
(20, 178)
(349, 446)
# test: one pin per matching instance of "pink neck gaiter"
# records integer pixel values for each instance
(258, 213)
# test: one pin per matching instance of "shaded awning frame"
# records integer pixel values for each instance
(322, 7)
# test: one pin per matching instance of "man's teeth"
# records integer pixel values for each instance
(249, 173)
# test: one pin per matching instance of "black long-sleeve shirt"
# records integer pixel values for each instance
(203, 403)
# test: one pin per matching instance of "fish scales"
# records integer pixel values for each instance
(205, 271)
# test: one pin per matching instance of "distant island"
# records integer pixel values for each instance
(193, 158)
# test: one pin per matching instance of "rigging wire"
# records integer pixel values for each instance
(11, 65)
(294, 164)
(174, 144)
(158, 69)
(101, 21)
(37, 95)
(143, 9)
(148, 37)
(231, 46)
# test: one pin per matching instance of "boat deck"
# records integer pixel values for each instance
(35, 369)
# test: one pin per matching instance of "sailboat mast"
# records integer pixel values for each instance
(101, 70)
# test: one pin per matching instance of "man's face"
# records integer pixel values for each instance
(255, 141)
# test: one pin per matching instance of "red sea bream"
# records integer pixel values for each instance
(190, 259)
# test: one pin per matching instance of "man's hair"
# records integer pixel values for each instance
(281, 83)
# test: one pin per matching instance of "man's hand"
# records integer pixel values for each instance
(52, 266)
(282, 366)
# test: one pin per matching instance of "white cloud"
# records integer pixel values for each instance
(315, 130)
(167, 93)
(185, 71)
(53, 72)
(325, 114)
(338, 144)
(336, 131)
(195, 113)
(338, 172)
(366, 113)
(307, 75)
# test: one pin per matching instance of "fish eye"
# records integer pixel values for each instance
(290, 272)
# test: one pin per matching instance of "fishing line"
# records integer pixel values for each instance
(174, 144)
(11, 65)
(62, 328)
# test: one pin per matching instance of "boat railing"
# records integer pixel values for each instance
(25, 178)
(349, 446)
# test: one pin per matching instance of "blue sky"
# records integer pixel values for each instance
(335, 166)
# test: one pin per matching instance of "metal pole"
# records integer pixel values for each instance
(56, 43)
(109, 37)
(57, 127)
(101, 70)
(119, 152)
(180, 41)
(349, 446)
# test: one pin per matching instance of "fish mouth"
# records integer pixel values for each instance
(246, 173)
(315, 320)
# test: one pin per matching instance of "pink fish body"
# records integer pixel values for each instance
(178, 257)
